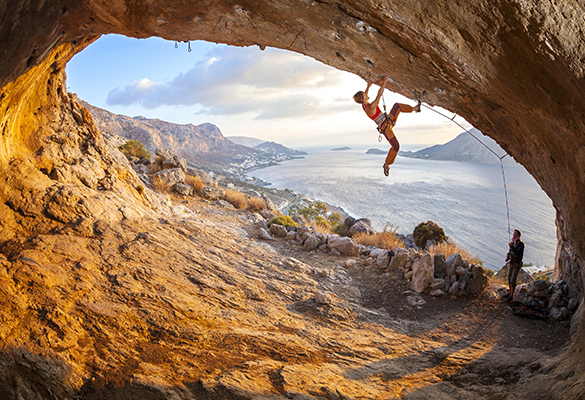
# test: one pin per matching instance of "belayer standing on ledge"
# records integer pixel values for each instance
(385, 122)
(514, 258)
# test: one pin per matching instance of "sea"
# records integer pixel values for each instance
(467, 200)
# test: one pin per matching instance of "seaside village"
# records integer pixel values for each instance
(424, 263)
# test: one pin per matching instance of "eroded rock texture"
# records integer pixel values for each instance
(514, 69)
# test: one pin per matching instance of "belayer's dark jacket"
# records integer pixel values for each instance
(516, 252)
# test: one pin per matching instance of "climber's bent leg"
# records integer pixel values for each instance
(393, 152)
(397, 108)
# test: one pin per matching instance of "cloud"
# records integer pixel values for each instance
(231, 81)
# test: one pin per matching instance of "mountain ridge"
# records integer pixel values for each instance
(203, 145)
(466, 147)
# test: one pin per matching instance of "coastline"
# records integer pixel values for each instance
(462, 198)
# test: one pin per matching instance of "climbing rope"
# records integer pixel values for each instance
(452, 119)
(486, 146)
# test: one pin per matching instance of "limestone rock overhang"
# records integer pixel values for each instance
(514, 69)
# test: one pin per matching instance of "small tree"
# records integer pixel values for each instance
(134, 148)
(428, 231)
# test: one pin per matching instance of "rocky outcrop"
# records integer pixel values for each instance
(515, 70)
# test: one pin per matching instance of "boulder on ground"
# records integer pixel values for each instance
(224, 204)
(423, 273)
(170, 177)
(399, 260)
(343, 245)
(452, 262)
(212, 192)
(268, 214)
(183, 189)
(439, 260)
(278, 230)
(464, 280)
(169, 159)
(311, 243)
(299, 219)
(269, 203)
(349, 221)
(362, 225)
(438, 283)
(479, 280)
(175, 162)
(383, 259)
(263, 234)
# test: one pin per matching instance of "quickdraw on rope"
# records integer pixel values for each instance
(493, 152)
(189, 47)
(176, 44)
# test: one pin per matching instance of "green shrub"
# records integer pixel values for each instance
(428, 231)
(316, 212)
(140, 189)
(134, 148)
(334, 219)
(284, 220)
(341, 229)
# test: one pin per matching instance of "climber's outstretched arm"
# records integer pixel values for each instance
(374, 104)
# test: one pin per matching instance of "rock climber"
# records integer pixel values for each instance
(514, 259)
(384, 121)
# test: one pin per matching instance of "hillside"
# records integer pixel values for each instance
(464, 148)
(202, 145)
(246, 141)
(266, 146)
(276, 148)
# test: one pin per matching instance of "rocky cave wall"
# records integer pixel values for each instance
(514, 69)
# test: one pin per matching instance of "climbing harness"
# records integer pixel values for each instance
(487, 147)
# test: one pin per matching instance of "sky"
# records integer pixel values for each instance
(272, 95)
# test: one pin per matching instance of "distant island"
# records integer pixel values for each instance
(375, 151)
(464, 148)
(341, 148)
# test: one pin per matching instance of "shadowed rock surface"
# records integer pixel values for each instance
(108, 291)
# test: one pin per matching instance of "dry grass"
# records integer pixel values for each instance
(450, 248)
(323, 228)
(498, 280)
(160, 185)
(386, 239)
(237, 199)
(195, 182)
(256, 204)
